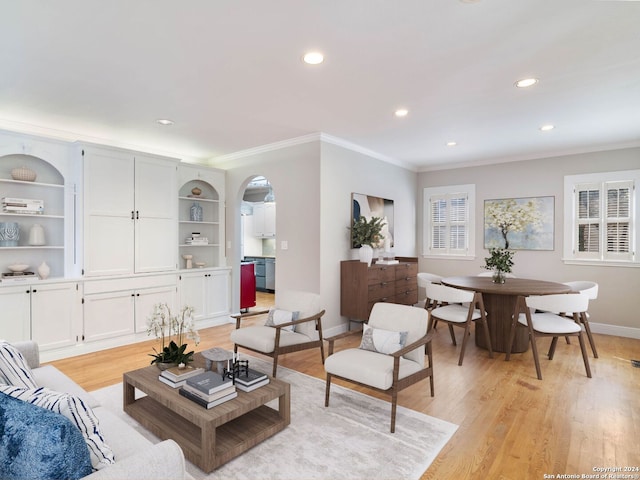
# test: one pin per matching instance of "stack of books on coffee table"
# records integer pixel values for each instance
(208, 389)
(251, 380)
(176, 377)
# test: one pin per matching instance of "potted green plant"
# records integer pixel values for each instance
(174, 329)
(500, 260)
(367, 235)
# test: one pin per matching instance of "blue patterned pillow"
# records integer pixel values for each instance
(38, 444)
(75, 410)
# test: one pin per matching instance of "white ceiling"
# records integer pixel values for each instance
(229, 73)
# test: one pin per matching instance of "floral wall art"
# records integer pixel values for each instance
(519, 223)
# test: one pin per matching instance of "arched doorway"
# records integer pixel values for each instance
(258, 242)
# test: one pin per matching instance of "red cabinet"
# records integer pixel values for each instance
(247, 286)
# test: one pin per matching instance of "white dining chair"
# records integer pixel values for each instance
(425, 278)
(540, 315)
(590, 289)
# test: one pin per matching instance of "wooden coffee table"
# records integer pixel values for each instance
(211, 437)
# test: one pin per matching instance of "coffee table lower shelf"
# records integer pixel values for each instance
(208, 438)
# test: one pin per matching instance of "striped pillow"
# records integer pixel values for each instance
(75, 410)
(14, 369)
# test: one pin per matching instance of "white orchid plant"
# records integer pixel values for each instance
(175, 329)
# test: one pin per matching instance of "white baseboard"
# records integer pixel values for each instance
(615, 330)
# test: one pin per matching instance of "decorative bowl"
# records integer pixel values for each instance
(18, 267)
(200, 264)
(23, 173)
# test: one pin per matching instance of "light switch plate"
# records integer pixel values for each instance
(284, 245)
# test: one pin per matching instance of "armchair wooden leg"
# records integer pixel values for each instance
(275, 364)
(327, 390)
(394, 407)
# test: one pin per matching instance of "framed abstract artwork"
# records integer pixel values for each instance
(519, 223)
(370, 206)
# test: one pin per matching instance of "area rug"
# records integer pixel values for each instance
(348, 440)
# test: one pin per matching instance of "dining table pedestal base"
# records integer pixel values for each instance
(499, 307)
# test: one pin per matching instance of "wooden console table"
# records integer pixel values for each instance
(362, 286)
(211, 437)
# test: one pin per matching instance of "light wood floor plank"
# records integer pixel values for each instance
(512, 425)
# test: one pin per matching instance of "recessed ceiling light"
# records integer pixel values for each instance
(401, 112)
(546, 128)
(313, 58)
(526, 82)
(164, 121)
(452, 144)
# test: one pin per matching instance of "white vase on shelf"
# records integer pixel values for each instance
(36, 235)
(44, 270)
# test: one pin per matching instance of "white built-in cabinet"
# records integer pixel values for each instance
(207, 291)
(115, 224)
(116, 307)
(48, 313)
(129, 212)
(264, 219)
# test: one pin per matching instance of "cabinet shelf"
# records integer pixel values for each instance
(30, 215)
(191, 222)
(34, 184)
(198, 199)
(197, 246)
(34, 247)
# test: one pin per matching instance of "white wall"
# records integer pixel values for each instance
(313, 183)
(616, 309)
(294, 173)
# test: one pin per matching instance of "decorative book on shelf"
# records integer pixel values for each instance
(203, 402)
(253, 386)
(245, 378)
(209, 382)
(249, 376)
(176, 373)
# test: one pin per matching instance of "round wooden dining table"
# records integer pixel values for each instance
(499, 303)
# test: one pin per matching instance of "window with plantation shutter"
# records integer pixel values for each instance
(448, 223)
(603, 209)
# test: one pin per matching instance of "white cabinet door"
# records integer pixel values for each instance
(269, 219)
(15, 323)
(108, 212)
(55, 310)
(156, 214)
(207, 292)
(145, 301)
(258, 220)
(218, 293)
(130, 213)
(108, 315)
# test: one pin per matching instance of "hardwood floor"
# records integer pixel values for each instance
(511, 425)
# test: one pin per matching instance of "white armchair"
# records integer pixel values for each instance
(385, 372)
(301, 331)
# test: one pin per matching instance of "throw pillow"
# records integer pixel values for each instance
(382, 341)
(39, 444)
(277, 316)
(14, 369)
(75, 410)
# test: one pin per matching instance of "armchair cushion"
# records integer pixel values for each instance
(278, 316)
(14, 369)
(307, 303)
(382, 341)
(263, 338)
(368, 367)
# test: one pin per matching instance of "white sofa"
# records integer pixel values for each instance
(136, 457)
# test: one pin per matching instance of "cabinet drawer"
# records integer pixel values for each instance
(381, 291)
(407, 297)
(409, 269)
(406, 283)
(381, 273)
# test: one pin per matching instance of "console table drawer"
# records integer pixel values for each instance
(381, 290)
(405, 270)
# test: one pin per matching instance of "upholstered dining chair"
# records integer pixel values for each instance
(460, 308)
(391, 354)
(292, 325)
(590, 289)
(540, 315)
(423, 279)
